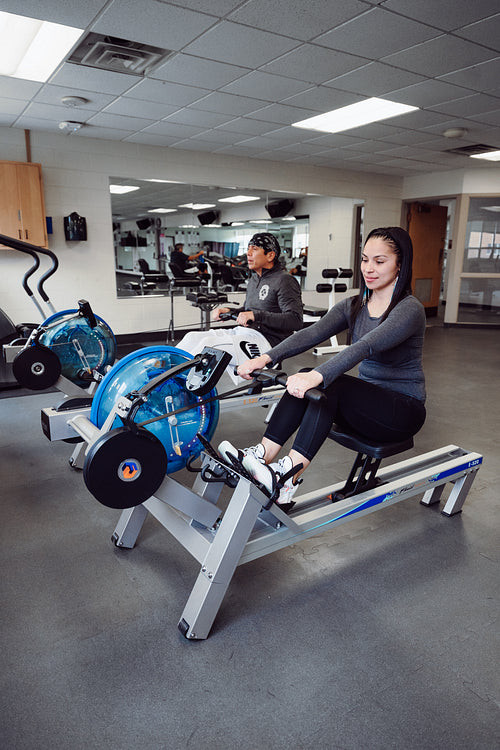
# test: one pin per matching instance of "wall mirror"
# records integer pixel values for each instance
(150, 217)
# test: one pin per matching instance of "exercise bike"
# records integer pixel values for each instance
(156, 414)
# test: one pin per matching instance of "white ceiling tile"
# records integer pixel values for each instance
(228, 104)
(16, 88)
(482, 77)
(150, 139)
(239, 45)
(92, 79)
(374, 79)
(167, 93)
(246, 126)
(107, 134)
(469, 106)
(296, 18)
(281, 113)
(322, 99)
(173, 129)
(165, 26)
(266, 86)
(140, 108)
(417, 119)
(485, 32)
(70, 12)
(444, 15)
(50, 94)
(222, 137)
(57, 113)
(490, 118)
(120, 122)
(216, 7)
(439, 56)
(192, 145)
(11, 107)
(197, 71)
(33, 123)
(427, 93)
(367, 34)
(314, 64)
(197, 117)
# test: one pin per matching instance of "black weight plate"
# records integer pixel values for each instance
(123, 469)
(36, 368)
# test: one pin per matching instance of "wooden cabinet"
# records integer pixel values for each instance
(22, 207)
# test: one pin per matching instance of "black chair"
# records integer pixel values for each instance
(362, 476)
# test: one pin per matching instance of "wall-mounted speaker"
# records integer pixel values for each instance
(209, 217)
(144, 223)
(276, 209)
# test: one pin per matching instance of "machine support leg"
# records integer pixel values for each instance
(129, 526)
(458, 494)
(433, 496)
(220, 563)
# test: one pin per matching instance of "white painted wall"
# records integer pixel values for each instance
(75, 174)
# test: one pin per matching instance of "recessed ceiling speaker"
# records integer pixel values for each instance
(276, 209)
(209, 217)
(144, 223)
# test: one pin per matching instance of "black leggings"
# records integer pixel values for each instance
(376, 413)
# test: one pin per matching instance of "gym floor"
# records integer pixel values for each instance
(381, 633)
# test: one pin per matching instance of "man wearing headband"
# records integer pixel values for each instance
(272, 309)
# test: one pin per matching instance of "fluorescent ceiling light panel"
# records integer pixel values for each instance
(162, 211)
(489, 156)
(32, 49)
(354, 115)
(495, 209)
(239, 199)
(197, 206)
(121, 189)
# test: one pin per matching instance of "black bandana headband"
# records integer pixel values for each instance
(267, 242)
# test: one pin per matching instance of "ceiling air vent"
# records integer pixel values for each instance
(118, 55)
(477, 148)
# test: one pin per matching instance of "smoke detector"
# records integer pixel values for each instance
(455, 132)
(70, 126)
(73, 101)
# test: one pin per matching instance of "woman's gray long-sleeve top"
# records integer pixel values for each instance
(389, 352)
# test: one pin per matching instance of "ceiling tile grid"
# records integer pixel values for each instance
(240, 72)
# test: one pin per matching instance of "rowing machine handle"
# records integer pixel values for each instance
(276, 376)
(234, 316)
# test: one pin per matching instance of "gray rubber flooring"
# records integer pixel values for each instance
(380, 633)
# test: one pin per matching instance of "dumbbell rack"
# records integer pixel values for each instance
(332, 288)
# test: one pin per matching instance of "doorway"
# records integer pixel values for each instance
(426, 225)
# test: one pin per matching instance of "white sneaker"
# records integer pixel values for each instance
(276, 476)
(283, 467)
(228, 451)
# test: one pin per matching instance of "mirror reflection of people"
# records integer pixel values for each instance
(271, 312)
(179, 258)
(384, 404)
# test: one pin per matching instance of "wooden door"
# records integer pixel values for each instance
(426, 224)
